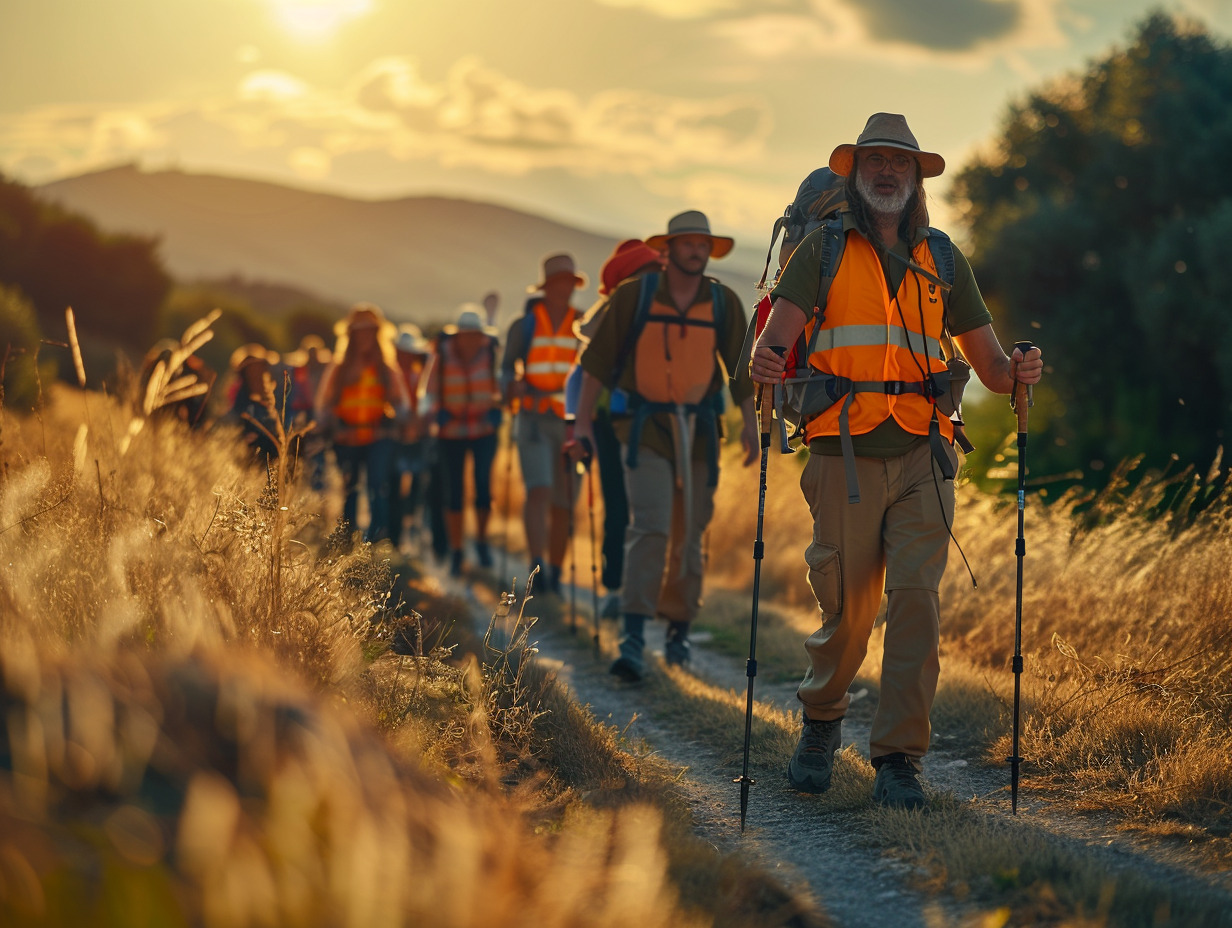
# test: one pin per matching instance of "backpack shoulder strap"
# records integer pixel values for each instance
(834, 240)
(647, 286)
(942, 249)
(943, 255)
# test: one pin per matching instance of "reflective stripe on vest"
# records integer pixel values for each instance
(868, 336)
(549, 357)
(361, 407)
(468, 393)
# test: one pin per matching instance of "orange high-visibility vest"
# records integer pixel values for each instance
(869, 335)
(469, 393)
(549, 357)
(674, 361)
(361, 407)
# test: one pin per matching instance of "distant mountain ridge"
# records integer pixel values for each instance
(416, 257)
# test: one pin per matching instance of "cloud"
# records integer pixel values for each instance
(958, 32)
(944, 25)
(476, 117)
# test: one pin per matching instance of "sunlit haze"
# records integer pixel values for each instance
(610, 114)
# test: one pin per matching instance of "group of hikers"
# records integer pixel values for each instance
(868, 331)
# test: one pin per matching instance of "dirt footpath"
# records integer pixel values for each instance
(822, 852)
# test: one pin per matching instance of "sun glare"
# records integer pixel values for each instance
(318, 19)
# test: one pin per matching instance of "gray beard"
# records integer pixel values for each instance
(884, 207)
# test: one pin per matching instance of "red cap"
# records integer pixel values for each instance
(629, 256)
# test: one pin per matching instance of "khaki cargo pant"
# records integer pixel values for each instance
(653, 584)
(895, 539)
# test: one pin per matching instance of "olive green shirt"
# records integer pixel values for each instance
(599, 357)
(965, 312)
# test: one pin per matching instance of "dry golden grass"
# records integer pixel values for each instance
(203, 721)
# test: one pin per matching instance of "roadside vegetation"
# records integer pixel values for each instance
(216, 709)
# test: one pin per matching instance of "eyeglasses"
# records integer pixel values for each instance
(876, 160)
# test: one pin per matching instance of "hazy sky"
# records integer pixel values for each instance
(612, 114)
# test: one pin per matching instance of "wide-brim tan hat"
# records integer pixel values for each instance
(365, 316)
(692, 222)
(469, 319)
(561, 265)
(886, 130)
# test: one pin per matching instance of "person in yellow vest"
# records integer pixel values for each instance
(663, 347)
(467, 395)
(361, 401)
(539, 352)
(882, 329)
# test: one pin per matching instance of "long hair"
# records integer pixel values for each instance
(914, 215)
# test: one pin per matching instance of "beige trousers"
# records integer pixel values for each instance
(895, 539)
(655, 541)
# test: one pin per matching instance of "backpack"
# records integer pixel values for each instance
(820, 196)
(806, 392)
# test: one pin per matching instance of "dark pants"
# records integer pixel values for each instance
(373, 462)
(417, 459)
(453, 452)
(615, 502)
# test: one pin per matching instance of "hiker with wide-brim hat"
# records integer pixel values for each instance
(539, 350)
(657, 347)
(465, 391)
(359, 405)
(879, 477)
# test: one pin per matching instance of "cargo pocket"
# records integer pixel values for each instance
(825, 576)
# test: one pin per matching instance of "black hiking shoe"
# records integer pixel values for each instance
(812, 763)
(676, 647)
(631, 665)
(483, 553)
(455, 563)
(898, 783)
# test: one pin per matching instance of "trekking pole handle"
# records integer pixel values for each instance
(765, 403)
(1023, 396)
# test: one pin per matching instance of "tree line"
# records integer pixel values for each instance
(1098, 225)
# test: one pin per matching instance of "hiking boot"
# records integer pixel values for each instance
(610, 608)
(553, 585)
(898, 783)
(812, 763)
(631, 665)
(455, 563)
(676, 648)
(483, 553)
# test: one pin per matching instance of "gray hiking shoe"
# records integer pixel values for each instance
(631, 665)
(812, 763)
(898, 783)
(676, 648)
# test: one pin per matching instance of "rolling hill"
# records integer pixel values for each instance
(417, 257)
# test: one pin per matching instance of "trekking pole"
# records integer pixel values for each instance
(765, 406)
(572, 553)
(1020, 401)
(594, 545)
(508, 514)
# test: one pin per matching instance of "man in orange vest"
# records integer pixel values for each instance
(539, 352)
(882, 326)
(659, 344)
